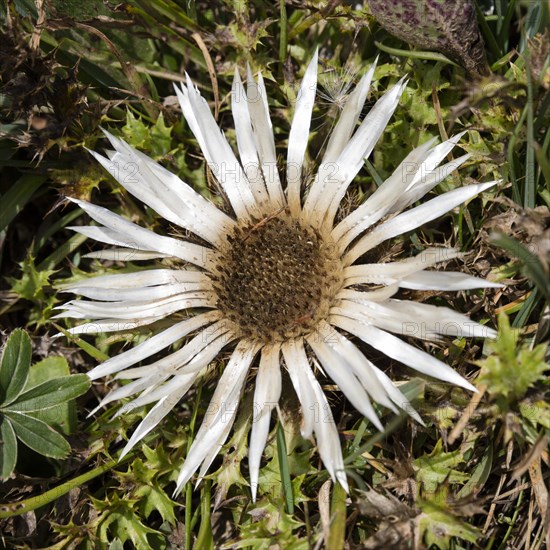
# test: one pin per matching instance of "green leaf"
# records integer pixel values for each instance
(14, 368)
(532, 266)
(82, 344)
(285, 471)
(150, 495)
(30, 285)
(537, 412)
(414, 54)
(63, 416)
(18, 196)
(205, 538)
(38, 436)
(156, 139)
(439, 525)
(513, 367)
(47, 369)
(8, 448)
(151, 498)
(479, 475)
(337, 532)
(51, 393)
(119, 519)
(435, 468)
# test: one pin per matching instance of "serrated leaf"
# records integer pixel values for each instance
(513, 367)
(438, 526)
(435, 468)
(151, 498)
(14, 368)
(8, 448)
(38, 436)
(156, 139)
(116, 545)
(119, 520)
(537, 412)
(32, 281)
(51, 393)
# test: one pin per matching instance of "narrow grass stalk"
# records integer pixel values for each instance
(204, 538)
(284, 469)
(189, 489)
(283, 26)
(337, 531)
(9, 510)
(431, 56)
(529, 191)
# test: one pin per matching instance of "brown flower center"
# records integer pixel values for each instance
(277, 278)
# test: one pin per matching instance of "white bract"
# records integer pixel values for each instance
(281, 280)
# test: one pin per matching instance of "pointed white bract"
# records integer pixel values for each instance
(183, 292)
(266, 397)
(221, 412)
(256, 97)
(299, 134)
(349, 117)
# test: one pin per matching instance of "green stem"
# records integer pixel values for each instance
(204, 538)
(189, 488)
(9, 510)
(283, 25)
(284, 469)
(529, 191)
(337, 532)
(512, 522)
(430, 56)
(392, 425)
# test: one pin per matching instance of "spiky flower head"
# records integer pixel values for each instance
(448, 26)
(273, 278)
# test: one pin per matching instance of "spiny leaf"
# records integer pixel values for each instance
(513, 367)
(30, 285)
(437, 467)
(119, 519)
(151, 498)
(439, 525)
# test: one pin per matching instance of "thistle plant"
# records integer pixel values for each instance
(278, 276)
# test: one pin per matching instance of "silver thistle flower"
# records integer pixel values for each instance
(277, 280)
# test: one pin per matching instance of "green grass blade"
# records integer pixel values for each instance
(17, 196)
(205, 540)
(284, 469)
(14, 368)
(531, 264)
(487, 32)
(413, 54)
(337, 531)
(8, 448)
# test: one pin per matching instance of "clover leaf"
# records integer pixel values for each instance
(26, 406)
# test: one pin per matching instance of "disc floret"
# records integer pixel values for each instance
(277, 278)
